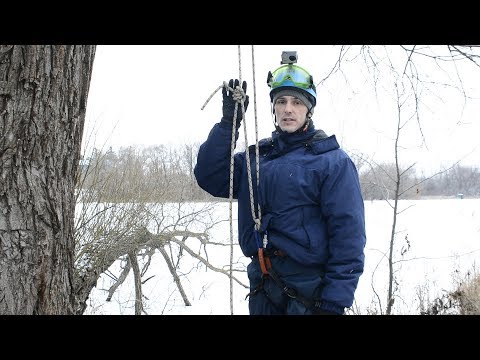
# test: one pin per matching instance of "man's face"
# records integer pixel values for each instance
(291, 113)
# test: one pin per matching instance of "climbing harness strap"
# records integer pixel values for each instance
(313, 305)
(268, 272)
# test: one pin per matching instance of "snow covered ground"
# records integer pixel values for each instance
(441, 239)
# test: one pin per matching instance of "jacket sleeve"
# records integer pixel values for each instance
(343, 208)
(212, 169)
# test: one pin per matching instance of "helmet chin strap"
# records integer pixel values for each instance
(307, 124)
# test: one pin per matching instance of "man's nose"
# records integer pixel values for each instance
(288, 106)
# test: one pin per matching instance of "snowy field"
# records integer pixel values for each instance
(440, 240)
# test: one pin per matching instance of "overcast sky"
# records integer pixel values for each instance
(153, 94)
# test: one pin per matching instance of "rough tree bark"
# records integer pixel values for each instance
(43, 98)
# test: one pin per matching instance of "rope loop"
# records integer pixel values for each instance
(238, 94)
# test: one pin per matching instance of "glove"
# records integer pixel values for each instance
(229, 102)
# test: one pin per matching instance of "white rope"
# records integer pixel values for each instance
(239, 95)
(232, 153)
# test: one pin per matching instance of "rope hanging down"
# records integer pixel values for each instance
(239, 96)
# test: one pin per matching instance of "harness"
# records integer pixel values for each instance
(264, 255)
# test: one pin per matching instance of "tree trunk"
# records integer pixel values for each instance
(43, 98)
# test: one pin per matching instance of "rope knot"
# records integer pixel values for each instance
(237, 93)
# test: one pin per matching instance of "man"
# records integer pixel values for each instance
(307, 238)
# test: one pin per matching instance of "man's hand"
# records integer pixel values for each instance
(230, 98)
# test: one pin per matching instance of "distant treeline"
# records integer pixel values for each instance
(165, 173)
(378, 182)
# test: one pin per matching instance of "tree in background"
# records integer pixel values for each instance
(407, 74)
(135, 205)
(43, 99)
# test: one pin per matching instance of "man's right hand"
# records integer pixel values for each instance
(230, 98)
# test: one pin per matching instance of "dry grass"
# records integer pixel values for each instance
(468, 295)
(465, 300)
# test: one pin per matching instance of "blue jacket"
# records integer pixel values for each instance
(310, 199)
